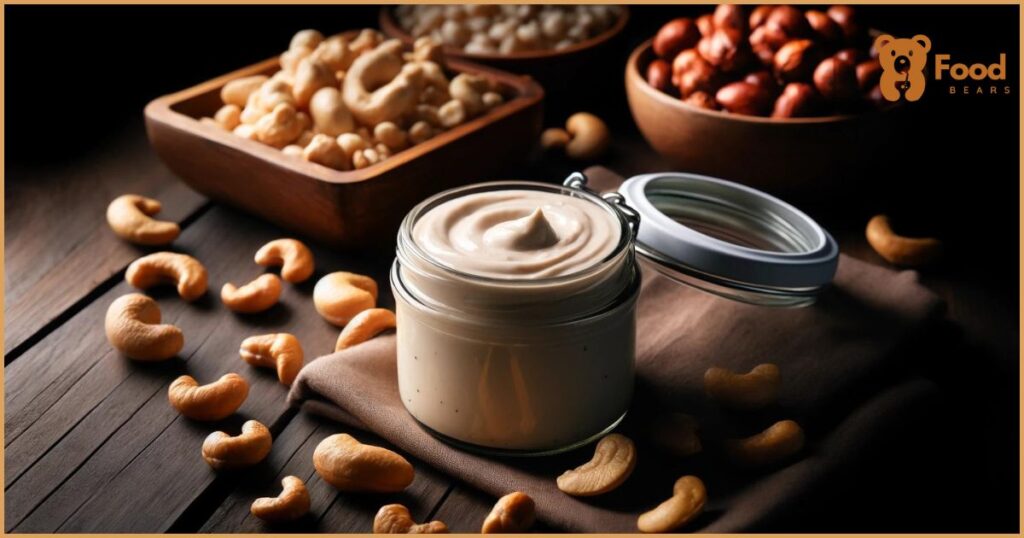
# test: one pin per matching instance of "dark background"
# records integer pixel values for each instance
(78, 77)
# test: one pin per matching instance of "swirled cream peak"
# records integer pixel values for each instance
(522, 234)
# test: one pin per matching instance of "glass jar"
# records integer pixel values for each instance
(538, 366)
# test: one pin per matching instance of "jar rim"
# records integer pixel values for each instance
(407, 244)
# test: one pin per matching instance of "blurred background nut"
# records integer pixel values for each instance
(676, 36)
(784, 24)
(760, 46)
(228, 116)
(325, 150)
(900, 250)
(702, 100)
(659, 75)
(797, 100)
(705, 24)
(758, 16)
(868, 74)
(725, 49)
(846, 18)
(329, 114)
(849, 54)
(778, 442)
(824, 28)
(751, 390)
(796, 60)
(744, 98)
(836, 79)
(588, 136)
(730, 16)
(236, 92)
(692, 73)
(310, 76)
(279, 127)
(308, 39)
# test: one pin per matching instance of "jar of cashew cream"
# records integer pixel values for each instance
(516, 305)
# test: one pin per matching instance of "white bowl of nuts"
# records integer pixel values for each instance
(795, 110)
(341, 135)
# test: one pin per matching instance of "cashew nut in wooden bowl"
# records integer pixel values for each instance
(280, 169)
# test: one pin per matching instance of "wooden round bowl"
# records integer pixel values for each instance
(797, 154)
(548, 67)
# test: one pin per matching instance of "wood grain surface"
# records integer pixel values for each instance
(91, 442)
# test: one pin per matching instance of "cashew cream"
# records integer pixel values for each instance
(519, 234)
(516, 316)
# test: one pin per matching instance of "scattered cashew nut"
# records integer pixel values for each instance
(350, 465)
(281, 351)
(364, 326)
(676, 433)
(222, 451)
(294, 257)
(900, 250)
(214, 401)
(133, 328)
(780, 441)
(513, 513)
(752, 390)
(589, 136)
(339, 296)
(169, 267)
(395, 519)
(613, 462)
(291, 504)
(256, 296)
(130, 216)
(686, 503)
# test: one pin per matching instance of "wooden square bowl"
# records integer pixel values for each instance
(353, 208)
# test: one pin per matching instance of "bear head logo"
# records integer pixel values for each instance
(903, 63)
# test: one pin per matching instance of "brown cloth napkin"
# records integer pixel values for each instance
(841, 372)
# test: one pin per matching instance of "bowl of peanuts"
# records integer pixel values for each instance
(543, 41)
(339, 136)
(772, 96)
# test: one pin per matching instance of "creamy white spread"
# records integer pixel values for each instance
(518, 234)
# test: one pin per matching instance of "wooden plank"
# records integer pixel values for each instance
(331, 510)
(93, 444)
(58, 245)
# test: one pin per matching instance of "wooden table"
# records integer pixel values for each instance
(91, 443)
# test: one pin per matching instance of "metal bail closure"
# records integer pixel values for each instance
(729, 239)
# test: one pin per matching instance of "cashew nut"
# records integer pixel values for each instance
(676, 433)
(215, 401)
(256, 296)
(452, 113)
(282, 351)
(130, 216)
(469, 89)
(590, 136)
(364, 326)
(752, 390)
(133, 328)
(395, 519)
(339, 296)
(290, 58)
(292, 150)
(228, 116)
(236, 92)
(426, 49)
(366, 41)
(310, 76)
(686, 503)
(367, 157)
(492, 99)
(391, 135)
(329, 113)
(222, 451)
(351, 143)
(273, 92)
(554, 138)
(279, 127)
(900, 250)
(306, 39)
(613, 462)
(780, 441)
(350, 465)
(294, 257)
(335, 53)
(325, 150)
(513, 513)
(420, 132)
(169, 267)
(291, 504)
(245, 131)
(377, 88)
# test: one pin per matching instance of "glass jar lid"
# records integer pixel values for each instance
(726, 238)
